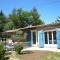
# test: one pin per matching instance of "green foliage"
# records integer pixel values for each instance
(13, 16)
(57, 20)
(20, 36)
(18, 48)
(9, 25)
(2, 21)
(53, 56)
(23, 18)
(2, 52)
(19, 18)
(36, 20)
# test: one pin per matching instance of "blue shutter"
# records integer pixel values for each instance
(29, 38)
(58, 38)
(40, 37)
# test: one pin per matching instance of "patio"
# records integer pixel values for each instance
(41, 49)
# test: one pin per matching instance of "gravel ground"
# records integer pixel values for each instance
(29, 55)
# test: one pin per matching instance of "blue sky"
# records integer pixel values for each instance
(48, 9)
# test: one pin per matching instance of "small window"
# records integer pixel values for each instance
(45, 34)
(54, 37)
(34, 37)
(50, 37)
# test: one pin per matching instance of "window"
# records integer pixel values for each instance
(45, 34)
(34, 37)
(50, 37)
(54, 37)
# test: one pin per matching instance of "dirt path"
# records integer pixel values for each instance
(30, 55)
(36, 55)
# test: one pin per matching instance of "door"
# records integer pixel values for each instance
(34, 38)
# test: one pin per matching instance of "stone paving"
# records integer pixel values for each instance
(13, 56)
(42, 49)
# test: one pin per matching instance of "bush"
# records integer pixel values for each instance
(18, 48)
(2, 52)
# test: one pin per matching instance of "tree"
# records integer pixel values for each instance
(22, 18)
(57, 20)
(14, 17)
(9, 25)
(36, 20)
(2, 22)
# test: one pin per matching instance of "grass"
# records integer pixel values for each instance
(36, 55)
(53, 56)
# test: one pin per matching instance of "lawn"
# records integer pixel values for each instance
(35, 55)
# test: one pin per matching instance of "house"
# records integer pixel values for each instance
(43, 35)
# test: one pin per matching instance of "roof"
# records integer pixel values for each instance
(13, 30)
(30, 27)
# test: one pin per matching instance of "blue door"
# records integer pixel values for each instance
(40, 39)
(58, 38)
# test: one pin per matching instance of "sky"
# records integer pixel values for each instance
(49, 10)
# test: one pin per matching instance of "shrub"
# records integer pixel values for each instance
(2, 52)
(18, 48)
